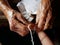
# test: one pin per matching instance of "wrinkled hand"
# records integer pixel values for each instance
(18, 24)
(44, 15)
(16, 21)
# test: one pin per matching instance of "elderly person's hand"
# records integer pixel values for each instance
(44, 15)
(18, 24)
(16, 21)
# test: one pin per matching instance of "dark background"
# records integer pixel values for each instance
(8, 37)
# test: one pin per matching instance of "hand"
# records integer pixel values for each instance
(44, 15)
(18, 24)
(16, 21)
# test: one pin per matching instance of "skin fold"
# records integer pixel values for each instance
(44, 15)
(11, 16)
(20, 25)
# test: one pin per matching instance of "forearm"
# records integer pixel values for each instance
(5, 8)
(44, 39)
(5, 2)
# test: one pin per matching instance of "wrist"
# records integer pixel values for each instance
(9, 14)
(42, 35)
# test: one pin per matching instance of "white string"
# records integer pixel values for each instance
(31, 35)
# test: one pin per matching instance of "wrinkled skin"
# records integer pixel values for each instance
(44, 15)
(18, 23)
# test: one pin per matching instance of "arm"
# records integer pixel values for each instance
(14, 18)
(44, 39)
(5, 7)
(44, 15)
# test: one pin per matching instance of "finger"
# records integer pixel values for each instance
(21, 18)
(21, 29)
(37, 16)
(42, 20)
(43, 13)
(18, 28)
(49, 16)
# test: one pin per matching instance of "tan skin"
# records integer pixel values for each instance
(43, 16)
(22, 28)
(15, 25)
